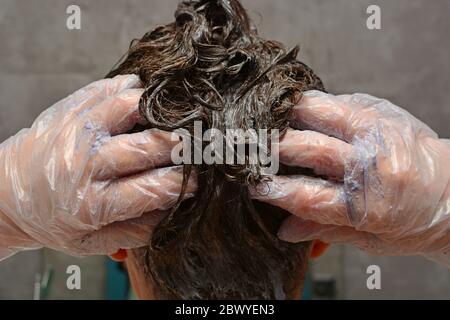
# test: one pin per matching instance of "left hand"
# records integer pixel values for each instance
(387, 185)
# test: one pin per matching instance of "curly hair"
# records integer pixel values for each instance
(210, 65)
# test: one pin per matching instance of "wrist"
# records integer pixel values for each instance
(12, 236)
(6, 171)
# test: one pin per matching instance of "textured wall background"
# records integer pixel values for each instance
(41, 61)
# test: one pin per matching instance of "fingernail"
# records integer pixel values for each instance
(285, 235)
(130, 81)
(313, 93)
(292, 232)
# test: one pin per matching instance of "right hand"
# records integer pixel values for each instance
(76, 182)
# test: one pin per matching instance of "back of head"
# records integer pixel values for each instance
(211, 66)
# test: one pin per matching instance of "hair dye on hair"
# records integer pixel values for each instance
(210, 65)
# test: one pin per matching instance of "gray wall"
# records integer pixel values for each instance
(41, 61)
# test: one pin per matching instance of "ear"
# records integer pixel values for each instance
(318, 248)
(120, 255)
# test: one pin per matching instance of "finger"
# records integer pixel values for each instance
(129, 234)
(308, 198)
(94, 93)
(129, 154)
(119, 113)
(128, 198)
(111, 87)
(295, 230)
(324, 113)
(309, 149)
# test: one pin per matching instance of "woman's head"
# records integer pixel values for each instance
(211, 66)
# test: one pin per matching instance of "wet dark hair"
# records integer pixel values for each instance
(210, 65)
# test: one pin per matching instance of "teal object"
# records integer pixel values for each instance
(307, 287)
(44, 283)
(117, 283)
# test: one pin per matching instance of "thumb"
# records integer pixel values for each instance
(295, 229)
(129, 234)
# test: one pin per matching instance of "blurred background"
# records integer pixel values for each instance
(407, 62)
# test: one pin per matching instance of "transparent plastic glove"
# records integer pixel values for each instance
(75, 183)
(385, 185)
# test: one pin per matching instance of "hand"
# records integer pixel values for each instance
(76, 183)
(385, 185)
